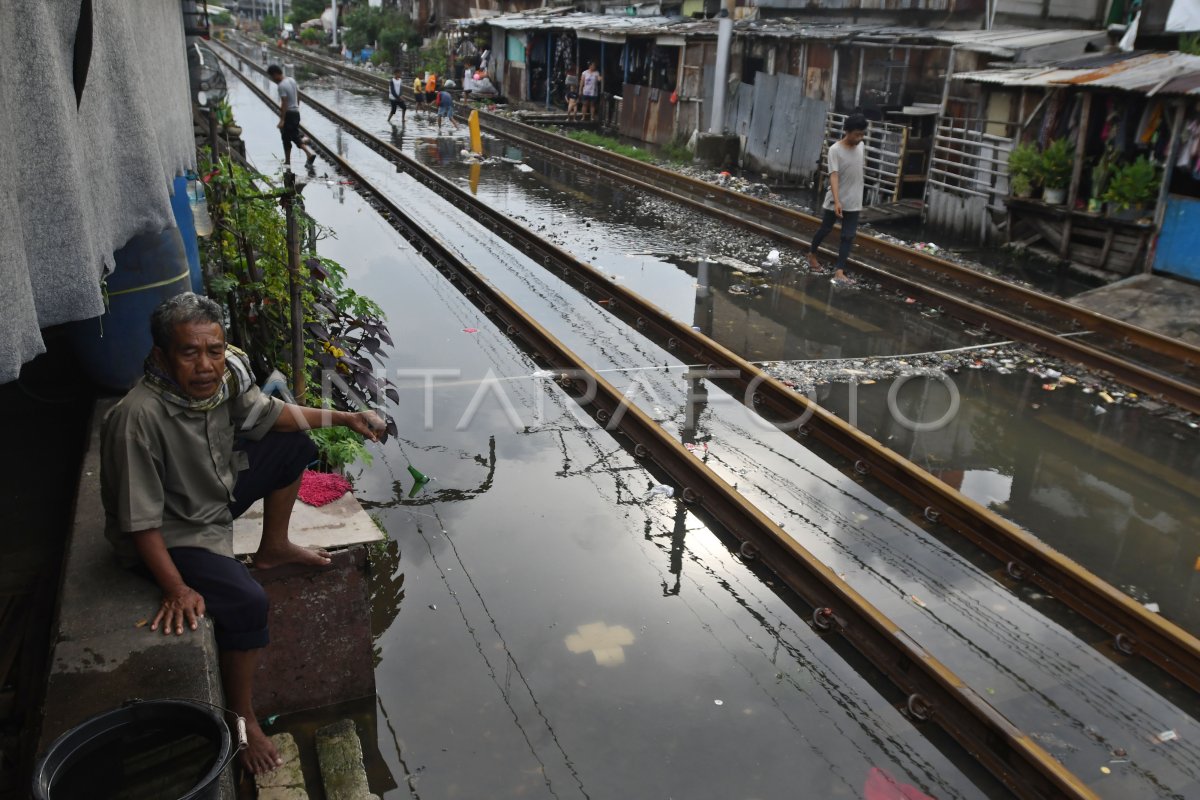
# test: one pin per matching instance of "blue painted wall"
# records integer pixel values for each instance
(1179, 241)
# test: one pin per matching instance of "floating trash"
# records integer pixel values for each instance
(661, 490)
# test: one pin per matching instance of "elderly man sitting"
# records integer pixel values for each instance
(191, 446)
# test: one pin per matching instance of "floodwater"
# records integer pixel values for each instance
(551, 627)
(1118, 489)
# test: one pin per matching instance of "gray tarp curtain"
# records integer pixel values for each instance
(76, 183)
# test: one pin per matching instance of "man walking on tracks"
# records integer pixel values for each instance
(843, 198)
(445, 109)
(396, 95)
(289, 115)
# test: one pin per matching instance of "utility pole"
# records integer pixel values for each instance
(293, 255)
(335, 12)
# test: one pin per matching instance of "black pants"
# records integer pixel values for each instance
(290, 132)
(849, 229)
(236, 602)
(400, 104)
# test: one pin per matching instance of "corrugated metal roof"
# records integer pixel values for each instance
(1009, 43)
(599, 24)
(1144, 73)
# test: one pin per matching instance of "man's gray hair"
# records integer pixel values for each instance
(182, 309)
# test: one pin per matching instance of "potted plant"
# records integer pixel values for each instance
(1058, 159)
(1024, 164)
(1101, 173)
(1132, 187)
(224, 114)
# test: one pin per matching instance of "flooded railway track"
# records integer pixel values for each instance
(1158, 365)
(1135, 631)
(934, 693)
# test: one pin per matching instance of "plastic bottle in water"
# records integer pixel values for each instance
(199, 204)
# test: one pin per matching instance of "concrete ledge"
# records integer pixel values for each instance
(101, 658)
(342, 523)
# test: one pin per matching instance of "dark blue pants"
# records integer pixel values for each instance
(849, 229)
(236, 602)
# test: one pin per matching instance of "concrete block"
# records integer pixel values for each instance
(718, 149)
(320, 651)
(286, 782)
(339, 753)
(339, 524)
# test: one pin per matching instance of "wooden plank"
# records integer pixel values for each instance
(1108, 240)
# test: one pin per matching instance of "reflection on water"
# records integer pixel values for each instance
(1117, 491)
(481, 695)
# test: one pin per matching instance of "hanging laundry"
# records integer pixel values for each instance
(1151, 118)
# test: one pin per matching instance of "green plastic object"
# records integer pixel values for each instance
(418, 476)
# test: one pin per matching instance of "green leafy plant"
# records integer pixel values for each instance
(1025, 161)
(304, 10)
(246, 264)
(1058, 160)
(397, 33)
(1190, 43)
(1134, 184)
(436, 57)
(676, 151)
(312, 36)
(1021, 185)
(609, 143)
(270, 25)
(223, 113)
(1102, 173)
(338, 448)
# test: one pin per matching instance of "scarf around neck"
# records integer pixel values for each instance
(237, 380)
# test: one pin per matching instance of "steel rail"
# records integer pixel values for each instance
(1135, 629)
(933, 691)
(780, 222)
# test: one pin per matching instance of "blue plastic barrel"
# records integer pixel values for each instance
(166, 749)
(112, 347)
(182, 209)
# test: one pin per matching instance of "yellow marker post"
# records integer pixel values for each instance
(476, 139)
(476, 168)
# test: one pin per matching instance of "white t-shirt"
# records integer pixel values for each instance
(289, 90)
(397, 88)
(847, 162)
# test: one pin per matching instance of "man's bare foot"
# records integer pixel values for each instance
(291, 554)
(260, 754)
(815, 265)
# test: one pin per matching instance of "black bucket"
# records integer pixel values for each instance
(166, 749)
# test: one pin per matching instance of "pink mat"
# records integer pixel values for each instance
(322, 488)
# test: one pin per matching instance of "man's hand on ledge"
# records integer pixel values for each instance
(179, 606)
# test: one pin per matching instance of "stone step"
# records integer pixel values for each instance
(340, 755)
(286, 782)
